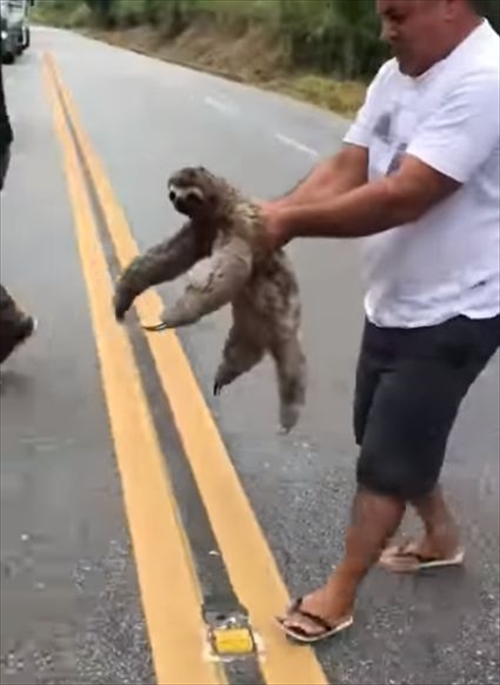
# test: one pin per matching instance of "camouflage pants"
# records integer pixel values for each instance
(4, 165)
(12, 323)
(12, 319)
(10, 314)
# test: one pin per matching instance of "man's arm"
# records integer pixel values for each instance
(448, 149)
(375, 207)
(347, 170)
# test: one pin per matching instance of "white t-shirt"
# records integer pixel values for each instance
(448, 262)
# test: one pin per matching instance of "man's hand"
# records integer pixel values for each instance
(330, 179)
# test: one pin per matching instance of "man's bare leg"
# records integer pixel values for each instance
(441, 530)
(375, 518)
(441, 539)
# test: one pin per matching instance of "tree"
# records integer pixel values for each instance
(101, 10)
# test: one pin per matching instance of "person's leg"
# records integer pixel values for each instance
(465, 346)
(374, 516)
(4, 164)
(440, 542)
(442, 536)
(403, 443)
(374, 519)
(15, 325)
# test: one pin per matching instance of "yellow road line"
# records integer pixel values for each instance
(250, 563)
(169, 589)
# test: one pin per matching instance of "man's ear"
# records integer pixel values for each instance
(451, 7)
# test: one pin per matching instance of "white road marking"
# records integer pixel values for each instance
(226, 108)
(298, 146)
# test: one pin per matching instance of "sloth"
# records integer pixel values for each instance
(222, 248)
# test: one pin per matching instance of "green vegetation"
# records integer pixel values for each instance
(324, 51)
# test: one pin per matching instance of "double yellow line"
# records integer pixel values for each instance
(169, 585)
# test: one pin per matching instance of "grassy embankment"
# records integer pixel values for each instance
(321, 51)
(318, 51)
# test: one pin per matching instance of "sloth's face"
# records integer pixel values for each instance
(192, 191)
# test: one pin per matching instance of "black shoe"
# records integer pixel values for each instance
(26, 328)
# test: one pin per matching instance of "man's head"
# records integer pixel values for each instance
(423, 32)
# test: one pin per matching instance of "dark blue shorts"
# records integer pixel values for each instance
(409, 386)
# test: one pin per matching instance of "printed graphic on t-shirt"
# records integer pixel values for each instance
(382, 128)
(397, 159)
(385, 130)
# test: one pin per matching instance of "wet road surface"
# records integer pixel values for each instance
(86, 523)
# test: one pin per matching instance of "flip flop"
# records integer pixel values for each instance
(302, 635)
(405, 552)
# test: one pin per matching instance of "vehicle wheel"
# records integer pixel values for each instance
(27, 40)
(8, 58)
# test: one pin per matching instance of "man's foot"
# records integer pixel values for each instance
(316, 616)
(374, 519)
(412, 556)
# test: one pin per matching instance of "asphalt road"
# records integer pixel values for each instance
(70, 604)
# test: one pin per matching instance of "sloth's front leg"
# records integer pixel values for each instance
(212, 283)
(162, 262)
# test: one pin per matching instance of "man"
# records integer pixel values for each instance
(15, 326)
(418, 179)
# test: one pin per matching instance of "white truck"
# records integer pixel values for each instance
(14, 27)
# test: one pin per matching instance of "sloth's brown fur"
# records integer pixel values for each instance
(223, 248)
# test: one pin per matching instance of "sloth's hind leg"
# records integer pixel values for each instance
(291, 372)
(213, 282)
(241, 353)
